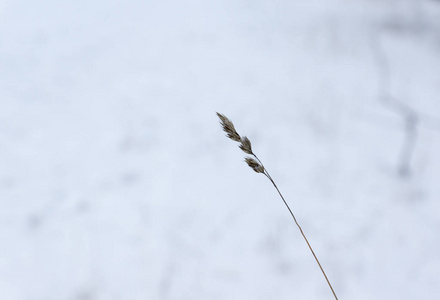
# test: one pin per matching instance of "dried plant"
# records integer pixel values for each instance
(229, 128)
(256, 164)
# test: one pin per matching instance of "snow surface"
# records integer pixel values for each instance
(116, 181)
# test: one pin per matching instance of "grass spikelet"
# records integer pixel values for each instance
(229, 128)
(254, 165)
(246, 145)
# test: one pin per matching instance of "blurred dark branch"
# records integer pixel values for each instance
(410, 117)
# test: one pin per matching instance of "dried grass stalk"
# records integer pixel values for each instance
(256, 164)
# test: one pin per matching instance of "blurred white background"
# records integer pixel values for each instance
(116, 181)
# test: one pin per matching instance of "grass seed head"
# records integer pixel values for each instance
(229, 128)
(246, 145)
(254, 165)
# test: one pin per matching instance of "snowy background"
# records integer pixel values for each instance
(116, 181)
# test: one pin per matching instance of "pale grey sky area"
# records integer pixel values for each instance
(117, 182)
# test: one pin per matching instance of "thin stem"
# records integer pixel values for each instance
(297, 224)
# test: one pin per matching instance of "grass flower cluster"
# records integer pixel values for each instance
(255, 163)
